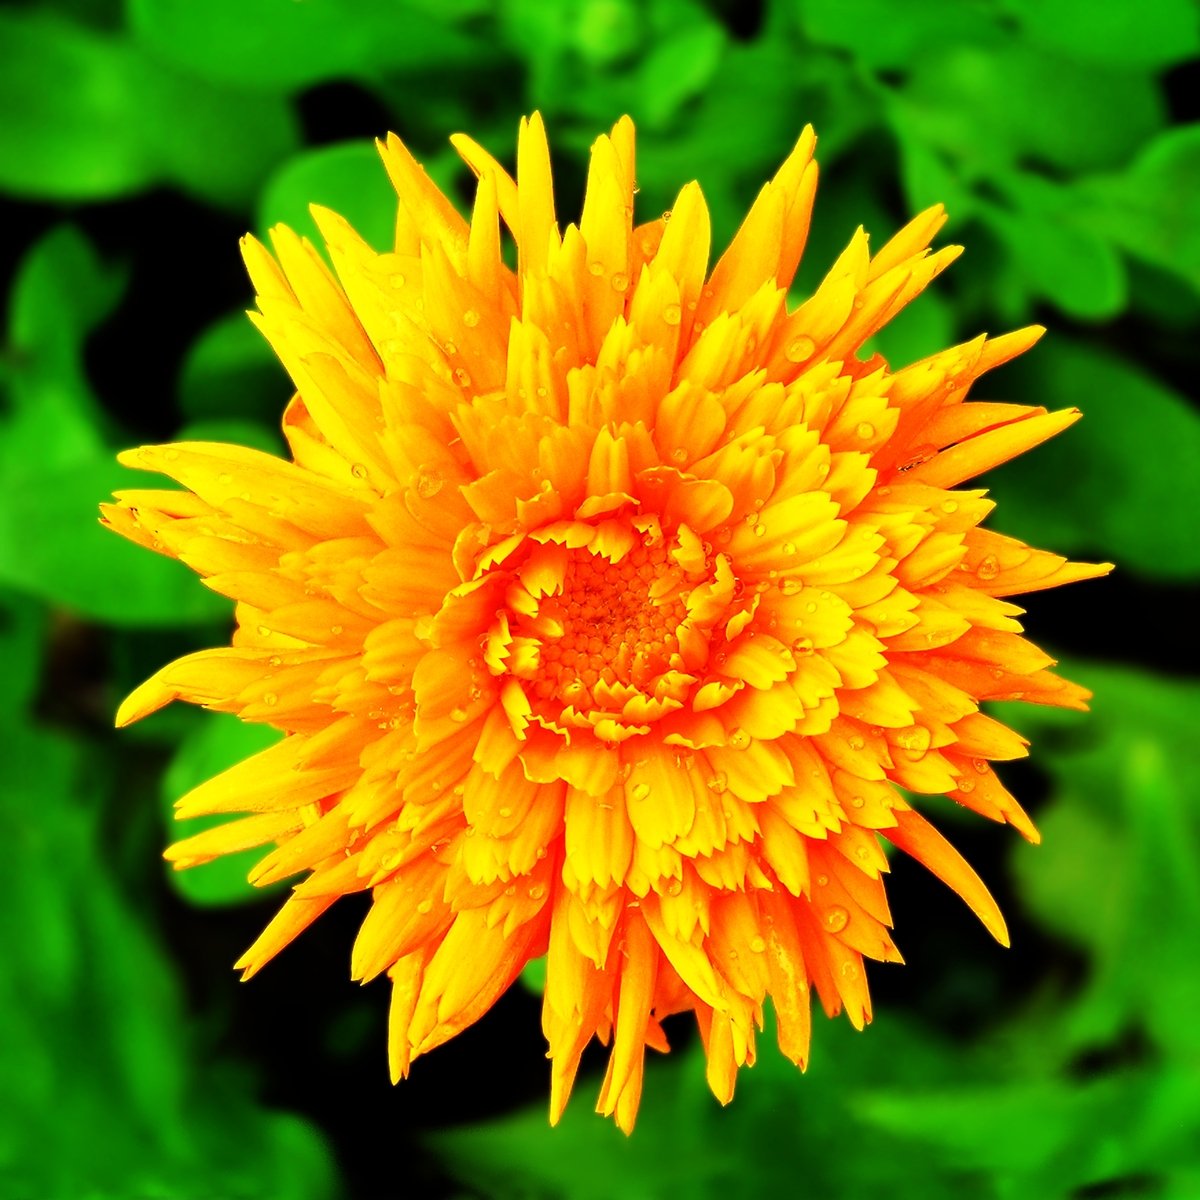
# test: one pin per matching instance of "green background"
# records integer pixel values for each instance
(138, 140)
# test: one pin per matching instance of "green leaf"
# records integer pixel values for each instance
(993, 109)
(230, 371)
(348, 178)
(1118, 869)
(1121, 484)
(871, 31)
(115, 120)
(106, 1091)
(53, 545)
(1152, 34)
(62, 291)
(218, 742)
(1150, 209)
(282, 45)
(678, 68)
(1065, 263)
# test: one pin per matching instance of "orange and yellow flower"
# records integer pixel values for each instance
(604, 607)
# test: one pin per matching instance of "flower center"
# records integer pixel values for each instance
(616, 626)
(620, 623)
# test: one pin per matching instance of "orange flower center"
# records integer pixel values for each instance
(619, 626)
(614, 627)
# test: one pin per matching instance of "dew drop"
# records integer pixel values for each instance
(275, 660)
(865, 430)
(679, 454)
(470, 318)
(836, 919)
(800, 349)
(857, 801)
(336, 630)
(464, 380)
(802, 646)
(396, 279)
(788, 547)
(739, 739)
(425, 906)
(980, 765)
(451, 348)
(949, 506)
(596, 268)
(270, 699)
(641, 791)
(358, 471)
(989, 567)
(674, 887)
(855, 742)
(672, 314)
(537, 891)
(914, 741)
(620, 282)
(849, 970)
(758, 944)
(427, 482)
(822, 880)
(458, 715)
(718, 783)
(789, 587)
(966, 786)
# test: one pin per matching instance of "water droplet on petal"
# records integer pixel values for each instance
(949, 506)
(427, 482)
(865, 430)
(672, 314)
(989, 568)
(458, 715)
(836, 919)
(758, 944)
(718, 783)
(739, 739)
(802, 646)
(641, 791)
(270, 699)
(537, 891)
(620, 282)
(914, 741)
(596, 268)
(358, 471)
(425, 906)
(800, 349)
(470, 318)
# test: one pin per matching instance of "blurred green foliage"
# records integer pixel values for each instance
(1046, 127)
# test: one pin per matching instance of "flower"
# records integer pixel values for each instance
(604, 606)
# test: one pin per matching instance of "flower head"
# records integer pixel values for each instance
(605, 605)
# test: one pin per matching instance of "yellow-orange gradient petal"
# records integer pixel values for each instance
(606, 605)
